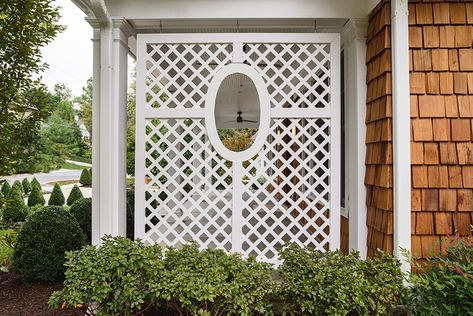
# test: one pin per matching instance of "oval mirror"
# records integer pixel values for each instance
(237, 112)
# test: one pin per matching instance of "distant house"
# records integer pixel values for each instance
(363, 108)
(83, 129)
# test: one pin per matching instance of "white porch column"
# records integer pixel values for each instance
(354, 45)
(109, 130)
(401, 129)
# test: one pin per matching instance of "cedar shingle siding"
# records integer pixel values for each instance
(441, 80)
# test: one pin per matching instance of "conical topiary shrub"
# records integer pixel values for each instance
(6, 188)
(35, 182)
(36, 197)
(26, 186)
(85, 178)
(17, 186)
(74, 195)
(57, 197)
(16, 210)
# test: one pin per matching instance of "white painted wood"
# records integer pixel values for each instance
(264, 109)
(140, 155)
(401, 130)
(238, 9)
(287, 189)
(354, 45)
(109, 153)
(96, 139)
(237, 202)
(335, 144)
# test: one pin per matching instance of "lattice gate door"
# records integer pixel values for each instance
(288, 192)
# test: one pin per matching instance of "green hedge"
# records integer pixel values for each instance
(26, 186)
(124, 277)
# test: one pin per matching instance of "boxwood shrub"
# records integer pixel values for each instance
(82, 211)
(39, 253)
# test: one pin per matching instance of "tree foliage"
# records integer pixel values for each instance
(36, 197)
(26, 26)
(85, 178)
(57, 197)
(74, 195)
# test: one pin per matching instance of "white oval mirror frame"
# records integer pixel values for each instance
(265, 109)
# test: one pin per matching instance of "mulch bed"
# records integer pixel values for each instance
(19, 298)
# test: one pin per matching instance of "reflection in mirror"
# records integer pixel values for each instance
(237, 112)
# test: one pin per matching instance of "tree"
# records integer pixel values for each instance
(26, 26)
(26, 186)
(75, 195)
(36, 197)
(34, 183)
(85, 102)
(57, 197)
(16, 209)
(6, 188)
(17, 186)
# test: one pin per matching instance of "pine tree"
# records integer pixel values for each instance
(17, 186)
(85, 178)
(74, 195)
(16, 210)
(36, 197)
(35, 182)
(26, 186)
(57, 197)
(6, 188)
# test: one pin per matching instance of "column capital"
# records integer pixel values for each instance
(355, 29)
(117, 23)
(123, 25)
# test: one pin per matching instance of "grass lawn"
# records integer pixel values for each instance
(71, 166)
(61, 183)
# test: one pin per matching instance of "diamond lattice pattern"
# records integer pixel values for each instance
(189, 186)
(297, 75)
(286, 189)
(178, 75)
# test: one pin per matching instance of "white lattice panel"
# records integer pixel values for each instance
(298, 75)
(288, 192)
(189, 188)
(178, 75)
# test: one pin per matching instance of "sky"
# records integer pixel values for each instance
(70, 55)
